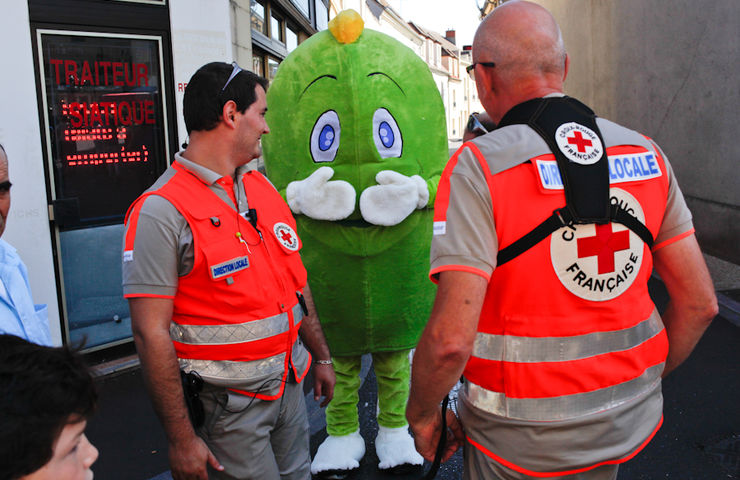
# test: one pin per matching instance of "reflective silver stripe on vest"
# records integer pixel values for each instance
(232, 374)
(231, 333)
(509, 348)
(226, 373)
(566, 406)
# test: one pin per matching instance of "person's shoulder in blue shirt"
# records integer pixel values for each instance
(18, 314)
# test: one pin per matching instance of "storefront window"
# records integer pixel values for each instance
(257, 65)
(258, 17)
(322, 16)
(272, 66)
(103, 95)
(276, 27)
(302, 6)
(291, 39)
(106, 142)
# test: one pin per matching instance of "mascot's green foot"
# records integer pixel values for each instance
(337, 456)
(396, 451)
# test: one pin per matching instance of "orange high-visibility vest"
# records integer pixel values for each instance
(543, 353)
(236, 314)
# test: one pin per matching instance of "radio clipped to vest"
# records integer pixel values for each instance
(570, 131)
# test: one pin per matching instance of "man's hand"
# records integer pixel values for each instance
(440, 358)
(189, 460)
(150, 321)
(324, 380)
(313, 337)
(427, 433)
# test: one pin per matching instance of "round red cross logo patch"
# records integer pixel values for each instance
(599, 262)
(286, 236)
(579, 144)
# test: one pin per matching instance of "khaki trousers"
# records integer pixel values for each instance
(257, 439)
(479, 466)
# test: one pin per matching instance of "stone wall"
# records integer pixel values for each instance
(668, 69)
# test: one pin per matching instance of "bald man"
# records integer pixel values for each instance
(18, 314)
(546, 231)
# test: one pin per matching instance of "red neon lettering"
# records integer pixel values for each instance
(117, 73)
(102, 114)
(95, 114)
(149, 112)
(86, 76)
(100, 73)
(127, 120)
(130, 81)
(74, 112)
(57, 63)
(105, 66)
(142, 73)
(70, 72)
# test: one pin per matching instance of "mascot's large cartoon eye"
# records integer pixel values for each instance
(325, 137)
(386, 135)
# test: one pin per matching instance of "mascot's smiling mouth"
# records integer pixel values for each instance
(358, 223)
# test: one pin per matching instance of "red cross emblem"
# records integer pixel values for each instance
(604, 245)
(580, 142)
(286, 236)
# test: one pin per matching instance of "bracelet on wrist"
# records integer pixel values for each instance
(323, 362)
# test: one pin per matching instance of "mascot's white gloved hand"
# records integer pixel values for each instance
(318, 198)
(394, 198)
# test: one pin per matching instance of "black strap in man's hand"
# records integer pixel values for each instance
(442, 443)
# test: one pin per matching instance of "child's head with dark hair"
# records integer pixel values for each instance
(47, 395)
(205, 95)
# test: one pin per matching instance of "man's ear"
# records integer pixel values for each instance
(228, 112)
(485, 77)
(567, 65)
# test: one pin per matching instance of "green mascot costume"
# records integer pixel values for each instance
(358, 144)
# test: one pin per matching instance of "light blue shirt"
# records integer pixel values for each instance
(18, 315)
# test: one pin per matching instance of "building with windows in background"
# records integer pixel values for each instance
(92, 115)
(445, 59)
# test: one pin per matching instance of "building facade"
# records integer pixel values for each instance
(93, 115)
(445, 59)
(670, 74)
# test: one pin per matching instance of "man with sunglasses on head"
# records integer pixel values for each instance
(18, 314)
(544, 240)
(219, 296)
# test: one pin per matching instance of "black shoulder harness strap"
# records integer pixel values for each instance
(586, 182)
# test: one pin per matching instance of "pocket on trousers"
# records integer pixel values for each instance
(217, 406)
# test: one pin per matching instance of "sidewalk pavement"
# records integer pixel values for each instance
(699, 440)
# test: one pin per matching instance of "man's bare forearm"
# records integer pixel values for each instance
(161, 370)
(162, 377)
(446, 342)
(693, 303)
(311, 332)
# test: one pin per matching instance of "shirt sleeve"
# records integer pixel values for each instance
(677, 222)
(18, 314)
(160, 252)
(465, 234)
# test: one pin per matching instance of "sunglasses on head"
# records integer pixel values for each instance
(234, 72)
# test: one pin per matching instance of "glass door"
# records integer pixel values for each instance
(107, 141)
